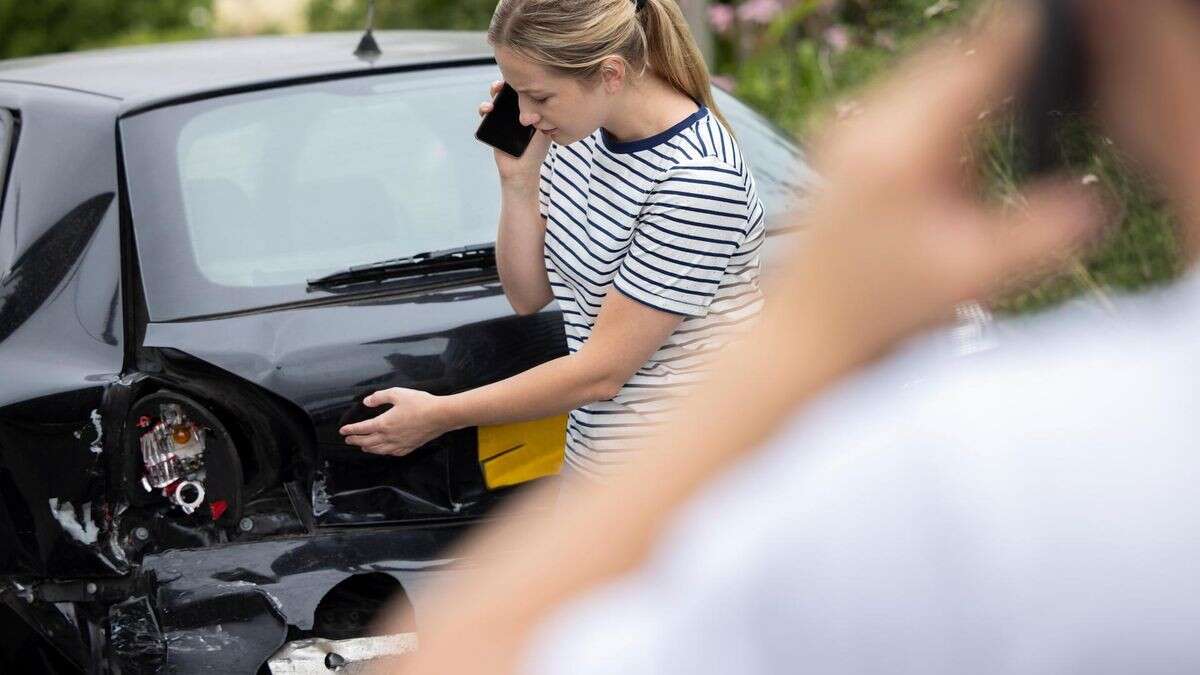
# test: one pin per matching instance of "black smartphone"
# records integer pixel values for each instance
(501, 128)
(1057, 87)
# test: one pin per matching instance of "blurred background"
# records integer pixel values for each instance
(796, 61)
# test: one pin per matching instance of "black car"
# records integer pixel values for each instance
(209, 252)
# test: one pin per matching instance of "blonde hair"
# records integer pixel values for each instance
(573, 37)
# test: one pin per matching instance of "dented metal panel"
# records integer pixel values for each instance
(60, 334)
(221, 629)
(296, 572)
(451, 342)
(135, 640)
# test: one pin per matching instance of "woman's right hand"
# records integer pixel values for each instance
(526, 169)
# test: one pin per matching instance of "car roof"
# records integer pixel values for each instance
(145, 75)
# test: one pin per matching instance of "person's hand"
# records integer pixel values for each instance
(1143, 58)
(900, 231)
(413, 420)
(526, 169)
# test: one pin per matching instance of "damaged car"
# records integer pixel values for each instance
(210, 252)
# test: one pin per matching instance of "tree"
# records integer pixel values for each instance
(426, 14)
(30, 27)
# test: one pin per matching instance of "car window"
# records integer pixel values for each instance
(282, 189)
(239, 200)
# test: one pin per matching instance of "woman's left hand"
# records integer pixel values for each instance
(413, 420)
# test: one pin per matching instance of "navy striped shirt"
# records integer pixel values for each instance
(673, 222)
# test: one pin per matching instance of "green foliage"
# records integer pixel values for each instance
(1140, 250)
(814, 56)
(30, 27)
(793, 68)
(398, 14)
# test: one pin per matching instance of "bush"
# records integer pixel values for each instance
(29, 27)
(398, 14)
(798, 60)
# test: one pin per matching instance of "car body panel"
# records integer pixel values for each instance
(61, 331)
(259, 589)
(325, 359)
(146, 76)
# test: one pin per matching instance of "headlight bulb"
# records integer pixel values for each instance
(173, 456)
(189, 464)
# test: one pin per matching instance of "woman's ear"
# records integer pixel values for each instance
(612, 74)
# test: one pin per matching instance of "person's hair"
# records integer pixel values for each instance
(573, 37)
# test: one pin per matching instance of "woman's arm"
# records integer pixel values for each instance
(520, 239)
(521, 234)
(626, 335)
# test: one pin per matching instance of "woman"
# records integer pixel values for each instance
(632, 208)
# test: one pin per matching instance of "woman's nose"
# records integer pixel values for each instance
(530, 119)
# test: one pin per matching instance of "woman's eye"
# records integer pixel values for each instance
(541, 100)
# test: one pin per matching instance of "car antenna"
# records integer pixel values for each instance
(368, 49)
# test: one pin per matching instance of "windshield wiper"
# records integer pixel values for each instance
(476, 256)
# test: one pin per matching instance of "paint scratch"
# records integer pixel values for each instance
(82, 529)
(97, 446)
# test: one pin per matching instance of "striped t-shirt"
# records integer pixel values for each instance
(672, 221)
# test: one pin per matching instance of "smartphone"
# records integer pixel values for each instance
(501, 128)
(1057, 87)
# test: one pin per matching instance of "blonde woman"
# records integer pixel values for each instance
(632, 209)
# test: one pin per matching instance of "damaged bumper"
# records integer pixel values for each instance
(232, 608)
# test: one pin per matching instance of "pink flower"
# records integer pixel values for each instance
(838, 38)
(759, 11)
(720, 17)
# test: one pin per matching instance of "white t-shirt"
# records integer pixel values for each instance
(1034, 509)
(674, 222)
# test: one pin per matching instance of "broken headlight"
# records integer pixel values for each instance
(187, 456)
(173, 457)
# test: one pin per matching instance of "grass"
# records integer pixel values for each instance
(1140, 250)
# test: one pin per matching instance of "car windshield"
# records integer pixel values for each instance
(239, 200)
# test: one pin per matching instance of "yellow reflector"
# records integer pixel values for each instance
(518, 453)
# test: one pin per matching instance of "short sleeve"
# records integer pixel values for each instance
(693, 221)
(547, 172)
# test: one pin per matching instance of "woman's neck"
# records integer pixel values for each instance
(649, 107)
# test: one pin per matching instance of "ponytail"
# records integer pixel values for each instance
(574, 37)
(671, 51)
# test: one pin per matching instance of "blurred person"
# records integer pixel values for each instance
(632, 209)
(1031, 511)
